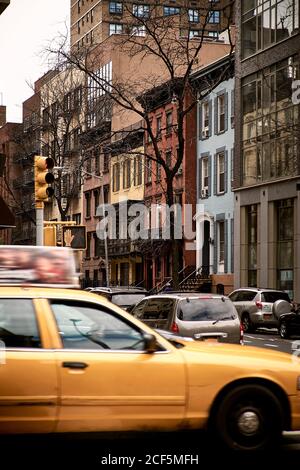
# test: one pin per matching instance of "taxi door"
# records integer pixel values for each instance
(108, 382)
(28, 374)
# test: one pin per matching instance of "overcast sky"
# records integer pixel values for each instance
(26, 27)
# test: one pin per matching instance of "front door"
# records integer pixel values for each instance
(108, 382)
(28, 375)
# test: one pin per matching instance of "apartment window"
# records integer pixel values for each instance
(205, 131)
(269, 122)
(97, 161)
(268, 22)
(148, 170)
(285, 246)
(77, 218)
(193, 15)
(78, 27)
(115, 7)
(221, 240)
(126, 174)
(88, 248)
(158, 127)
(214, 17)
(138, 171)
(158, 171)
(221, 113)
(213, 34)
(221, 172)
(204, 176)
(87, 205)
(141, 11)
(168, 11)
(92, 16)
(105, 160)
(139, 31)
(169, 122)
(193, 33)
(96, 201)
(116, 177)
(115, 28)
(252, 245)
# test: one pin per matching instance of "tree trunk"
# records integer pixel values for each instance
(175, 244)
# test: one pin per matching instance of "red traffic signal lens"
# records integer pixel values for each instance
(49, 163)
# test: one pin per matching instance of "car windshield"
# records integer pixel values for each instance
(127, 299)
(274, 296)
(206, 310)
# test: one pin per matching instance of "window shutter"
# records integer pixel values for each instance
(200, 177)
(226, 246)
(200, 121)
(226, 172)
(226, 111)
(215, 265)
(209, 175)
(215, 173)
(216, 114)
(210, 118)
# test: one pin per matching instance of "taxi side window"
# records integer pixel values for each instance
(18, 325)
(84, 325)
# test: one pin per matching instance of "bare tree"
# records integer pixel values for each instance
(162, 52)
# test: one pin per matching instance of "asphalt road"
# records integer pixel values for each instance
(270, 339)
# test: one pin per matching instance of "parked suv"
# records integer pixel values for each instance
(125, 297)
(260, 307)
(191, 314)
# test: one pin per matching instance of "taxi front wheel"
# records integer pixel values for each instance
(249, 418)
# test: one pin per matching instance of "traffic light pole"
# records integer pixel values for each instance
(39, 207)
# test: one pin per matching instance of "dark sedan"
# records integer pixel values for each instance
(289, 324)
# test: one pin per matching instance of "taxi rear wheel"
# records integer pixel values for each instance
(249, 419)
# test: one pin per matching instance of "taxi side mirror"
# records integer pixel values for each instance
(150, 343)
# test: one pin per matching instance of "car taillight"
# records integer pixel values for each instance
(174, 327)
(241, 334)
(259, 305)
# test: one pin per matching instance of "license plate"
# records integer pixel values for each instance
(267, 316)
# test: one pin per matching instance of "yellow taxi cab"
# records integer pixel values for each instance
(71, 361)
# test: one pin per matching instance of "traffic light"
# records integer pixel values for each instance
(74, 236)
(43, 177)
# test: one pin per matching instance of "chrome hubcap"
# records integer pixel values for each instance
(282, 330)
(248, 422)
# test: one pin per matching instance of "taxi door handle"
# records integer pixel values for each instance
(75, 365)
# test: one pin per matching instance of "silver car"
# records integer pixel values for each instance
(194, 315)
(260, 307)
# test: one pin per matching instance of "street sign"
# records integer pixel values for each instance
(74, 236)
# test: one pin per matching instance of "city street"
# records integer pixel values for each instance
(269, 338)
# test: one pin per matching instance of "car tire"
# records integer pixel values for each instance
(248, 419)
(246, 323)
(283, 330)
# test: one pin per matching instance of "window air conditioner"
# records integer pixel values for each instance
(204, 192)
